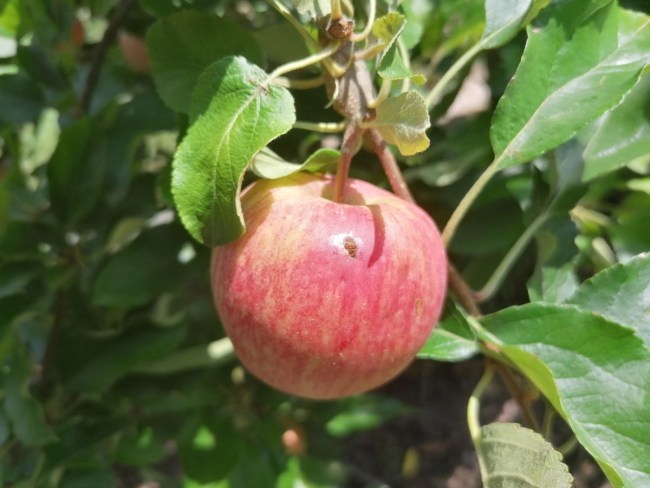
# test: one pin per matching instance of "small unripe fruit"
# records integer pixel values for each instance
(324, 299)
(135, 52)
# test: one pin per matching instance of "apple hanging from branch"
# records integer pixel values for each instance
(324, 299)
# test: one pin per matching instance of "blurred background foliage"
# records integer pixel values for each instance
(111, 369)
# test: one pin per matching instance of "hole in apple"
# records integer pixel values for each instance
(350, 246)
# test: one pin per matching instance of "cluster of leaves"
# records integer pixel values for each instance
(112, 366)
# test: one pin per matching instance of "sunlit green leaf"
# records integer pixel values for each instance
(622, 134)
(235, 113)
(514, 456)
(575, 67)
(452, 339)
(267, 164)
(388, 27)
(177, 60)
(314, 8)
(503, 19)
(621, 294)
(594, 371)
(392, 67)
(403, 120)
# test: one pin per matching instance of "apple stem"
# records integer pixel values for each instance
(463, 292)
(350, 145)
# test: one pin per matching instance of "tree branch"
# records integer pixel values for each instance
(391, 168)
(100, 54)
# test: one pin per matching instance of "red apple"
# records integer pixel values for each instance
(324, 299)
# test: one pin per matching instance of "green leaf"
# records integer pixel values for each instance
(80, 476)
(40, 66)
(554, 279)
(267, 164)
(139, 447)
(575, 67)
(620, 293)
(79, 435)
(4, 429)
(23, 411)
(234, 114)
(198, 453)
(513, 456)
(141, 271)
(314, 8)
(363, 413)
(503, 19)
(595, 372)
(21, 99)
(640, 184)
(629, 232)
(184, 44)
(121, 354)
(403, 120)
(14, 277)
(74, 180)
(622, 135)
(392, 67)
(388, 28)
(452, 339)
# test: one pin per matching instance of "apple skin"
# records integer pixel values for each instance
(325, 300)
(135, 52)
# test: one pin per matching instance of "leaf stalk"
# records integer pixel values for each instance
(500, 273)
(467, 201)
(372, 12)
(324, 127)
(473, 412)
(303, 63)
(436, 93)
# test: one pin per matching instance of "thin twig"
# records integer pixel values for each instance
(515, 391)
(391, 168)
(58, 312)
(436, 93)
(463, 292)
(501, 272)
(100, 54)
